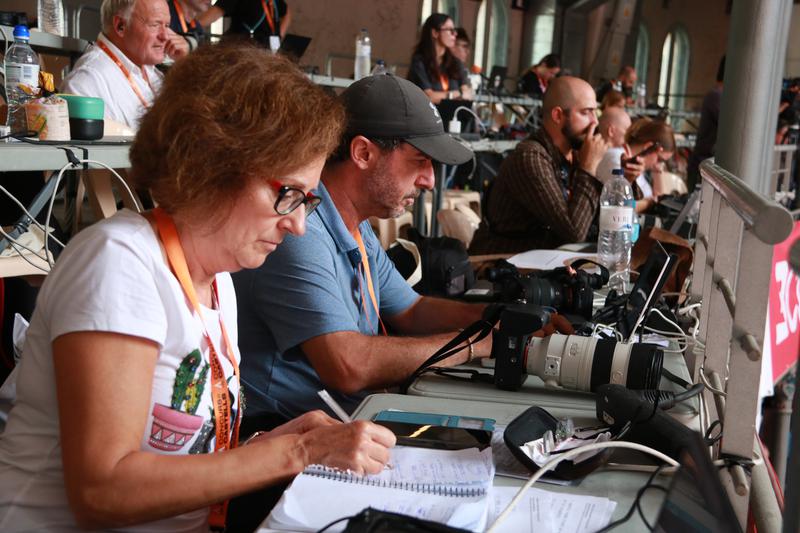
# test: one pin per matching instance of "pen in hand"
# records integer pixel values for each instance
(341, 413)
(335, 407)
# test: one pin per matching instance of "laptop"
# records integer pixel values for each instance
(696, 501)
(645, 292)
(294, 46)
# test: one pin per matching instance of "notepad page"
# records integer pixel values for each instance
(312, 503)
(413, 466)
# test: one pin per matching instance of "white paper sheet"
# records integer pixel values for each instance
(547, 259)
(557, 512)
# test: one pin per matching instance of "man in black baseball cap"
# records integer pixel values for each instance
(317, 313)
(391, 107)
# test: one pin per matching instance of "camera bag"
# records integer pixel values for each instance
(446, 270)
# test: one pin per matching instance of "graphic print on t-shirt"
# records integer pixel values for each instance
(176, 424)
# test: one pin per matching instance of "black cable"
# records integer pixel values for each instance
(335, 522)
(691, 392)
(675, 379)
(635, 505)
(710, 441)
(639, 506)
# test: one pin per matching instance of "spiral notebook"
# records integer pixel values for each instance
(447, 486)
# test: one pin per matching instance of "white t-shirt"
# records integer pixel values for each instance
(96, 74)
(112, 277)
(610, 161)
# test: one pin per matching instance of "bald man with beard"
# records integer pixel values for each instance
(546, 193)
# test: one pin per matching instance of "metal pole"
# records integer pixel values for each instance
(748, 112)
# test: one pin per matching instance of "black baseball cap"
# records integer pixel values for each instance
(385, 106)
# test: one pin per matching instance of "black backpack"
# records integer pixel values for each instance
(446, 270)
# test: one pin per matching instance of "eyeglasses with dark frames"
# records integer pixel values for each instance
(451, 30)
(290, 198)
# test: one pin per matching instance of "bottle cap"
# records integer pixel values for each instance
(21, 32)
(618, 172)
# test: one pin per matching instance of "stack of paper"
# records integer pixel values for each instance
(540, 510)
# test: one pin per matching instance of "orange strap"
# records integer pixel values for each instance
(365, 266)
(181, 17)
(445, 81)
(225, 437)
(127, 73)
(270, 16)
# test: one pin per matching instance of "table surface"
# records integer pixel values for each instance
(618, 485)
(17, 155)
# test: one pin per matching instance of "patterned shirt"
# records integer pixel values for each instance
(538, 200)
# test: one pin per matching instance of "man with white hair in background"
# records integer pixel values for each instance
(120, 66)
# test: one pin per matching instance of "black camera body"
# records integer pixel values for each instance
(517, 323)
(568, 290)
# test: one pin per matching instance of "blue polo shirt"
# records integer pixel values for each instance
(309, 286)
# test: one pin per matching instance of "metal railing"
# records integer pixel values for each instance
(732, 267)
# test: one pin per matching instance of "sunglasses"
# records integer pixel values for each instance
(290, 198)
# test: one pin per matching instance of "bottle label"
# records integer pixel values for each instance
(616, 218)
(19, 73)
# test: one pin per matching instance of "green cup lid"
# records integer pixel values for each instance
(85, 107)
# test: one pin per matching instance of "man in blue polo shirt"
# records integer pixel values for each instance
(314, 315)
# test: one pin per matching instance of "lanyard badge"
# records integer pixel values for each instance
(227, 437)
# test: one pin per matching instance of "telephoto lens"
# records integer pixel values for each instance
(568, 361)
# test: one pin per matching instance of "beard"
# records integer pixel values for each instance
(384, 192)
(574, 138)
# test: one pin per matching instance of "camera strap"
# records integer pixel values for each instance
(482, 328)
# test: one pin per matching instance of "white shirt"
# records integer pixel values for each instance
(113, 278)
(96, 74)
(610, 161)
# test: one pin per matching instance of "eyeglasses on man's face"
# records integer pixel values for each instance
(290, 198)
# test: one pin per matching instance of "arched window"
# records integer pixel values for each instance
(674, 69)
(448, 7)
(543, 29)
(498, 34)
(480, 35)
(642, 53)
(425, 12)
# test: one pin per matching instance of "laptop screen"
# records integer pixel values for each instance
(645, 292)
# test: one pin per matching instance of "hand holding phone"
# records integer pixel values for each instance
(647, 151)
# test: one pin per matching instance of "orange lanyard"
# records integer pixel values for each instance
(181, 17)
(127, 73)
(270, 16)
(225, 437)
(445, 81)
(368, 275)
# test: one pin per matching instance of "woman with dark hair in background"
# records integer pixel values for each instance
(534, 81)
(434, 68)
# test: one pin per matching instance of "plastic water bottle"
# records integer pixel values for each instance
(22, 68)
(50, 15)
(363, 53)
(380, 68)
(616, 226)
(641, 96)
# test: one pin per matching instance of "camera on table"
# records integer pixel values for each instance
(569, 290)
(567, 361)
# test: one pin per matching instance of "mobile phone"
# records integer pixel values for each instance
(439, 437)
(647, 151)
